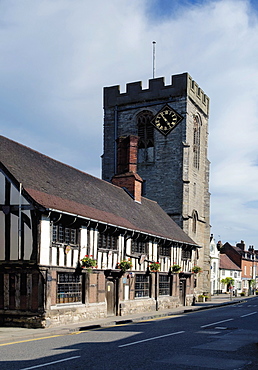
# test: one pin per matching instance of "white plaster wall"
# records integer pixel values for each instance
(83, 235)
(44, 241)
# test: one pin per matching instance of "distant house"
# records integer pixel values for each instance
(247, 261)
(215, 265)
(53, 215)
(228, 269)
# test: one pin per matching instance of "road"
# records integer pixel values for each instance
(219, 338)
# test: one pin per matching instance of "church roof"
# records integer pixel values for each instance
(227, 264)
(56, 186)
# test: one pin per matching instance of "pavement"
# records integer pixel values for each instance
(16, 334)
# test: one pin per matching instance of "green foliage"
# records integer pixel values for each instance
(154, 266)
(88, 263)
(196, 269)
(252, 283)
(228, 281)
(125, 265)
(175, 268)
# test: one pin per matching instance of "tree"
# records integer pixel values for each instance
(228, 281)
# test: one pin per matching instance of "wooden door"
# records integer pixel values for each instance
(182, 286)
(110, 297)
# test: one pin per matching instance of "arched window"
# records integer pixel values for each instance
(194, 224)
(196, 141)
(146, 137)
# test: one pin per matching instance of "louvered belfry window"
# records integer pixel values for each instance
(146, 137)
(196, 142)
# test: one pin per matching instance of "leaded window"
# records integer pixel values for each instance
(186, 254)
(164, 285)
(107, 241)
(165, 251)
(62, 234)
(146, 137)
(69, 288)
(142, 286)
(139, 247)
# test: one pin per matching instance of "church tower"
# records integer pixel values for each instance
(171, 122)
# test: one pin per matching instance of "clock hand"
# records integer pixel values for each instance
(165, 119)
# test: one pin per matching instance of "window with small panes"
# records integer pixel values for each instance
(186, 254)
(69, 288)
(66, 235)
(107, 241)
(164, 285)
(139, 247)
(142, 286)
(164, 251)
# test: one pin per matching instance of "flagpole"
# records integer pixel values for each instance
(153, 58)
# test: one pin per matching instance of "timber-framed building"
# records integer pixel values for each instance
(52, 215)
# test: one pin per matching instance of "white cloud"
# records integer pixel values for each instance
(56, 56)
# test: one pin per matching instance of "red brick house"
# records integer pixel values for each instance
(247, 261)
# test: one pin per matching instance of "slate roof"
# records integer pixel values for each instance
(57, 186)
(227, 264)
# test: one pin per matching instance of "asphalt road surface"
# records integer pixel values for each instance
(219, 338)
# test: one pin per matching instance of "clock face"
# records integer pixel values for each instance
(166, 120)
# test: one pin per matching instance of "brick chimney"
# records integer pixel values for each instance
(241, 245)
(126, 176)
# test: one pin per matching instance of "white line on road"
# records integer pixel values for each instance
(50, 363)
(215, 323)
(146, 340)
(249, 314)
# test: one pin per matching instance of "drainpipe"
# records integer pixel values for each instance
(156, 290)
(19, 224)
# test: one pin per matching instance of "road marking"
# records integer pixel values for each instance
(215, 323)
(249, 314)
(50, 363)
(146, 340)
(31, 340)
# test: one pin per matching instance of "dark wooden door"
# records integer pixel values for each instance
(110, 297)
(182, 286)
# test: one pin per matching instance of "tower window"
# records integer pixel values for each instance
(146, 137)
(196, 142)
(195, 219)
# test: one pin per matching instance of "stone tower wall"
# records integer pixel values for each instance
(171, 179)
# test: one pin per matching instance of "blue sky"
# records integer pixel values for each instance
(56, 57)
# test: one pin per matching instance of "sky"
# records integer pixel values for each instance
(56, 57)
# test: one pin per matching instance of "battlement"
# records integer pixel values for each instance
(181, 85)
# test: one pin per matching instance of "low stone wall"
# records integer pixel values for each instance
(55, 316)
(71, 314)
(147, 305)
(167, 302)
(136, 306)
(21, 319)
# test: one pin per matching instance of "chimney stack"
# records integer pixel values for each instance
(241, 245)
(126, 176)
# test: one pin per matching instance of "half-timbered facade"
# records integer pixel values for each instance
(52, 215)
